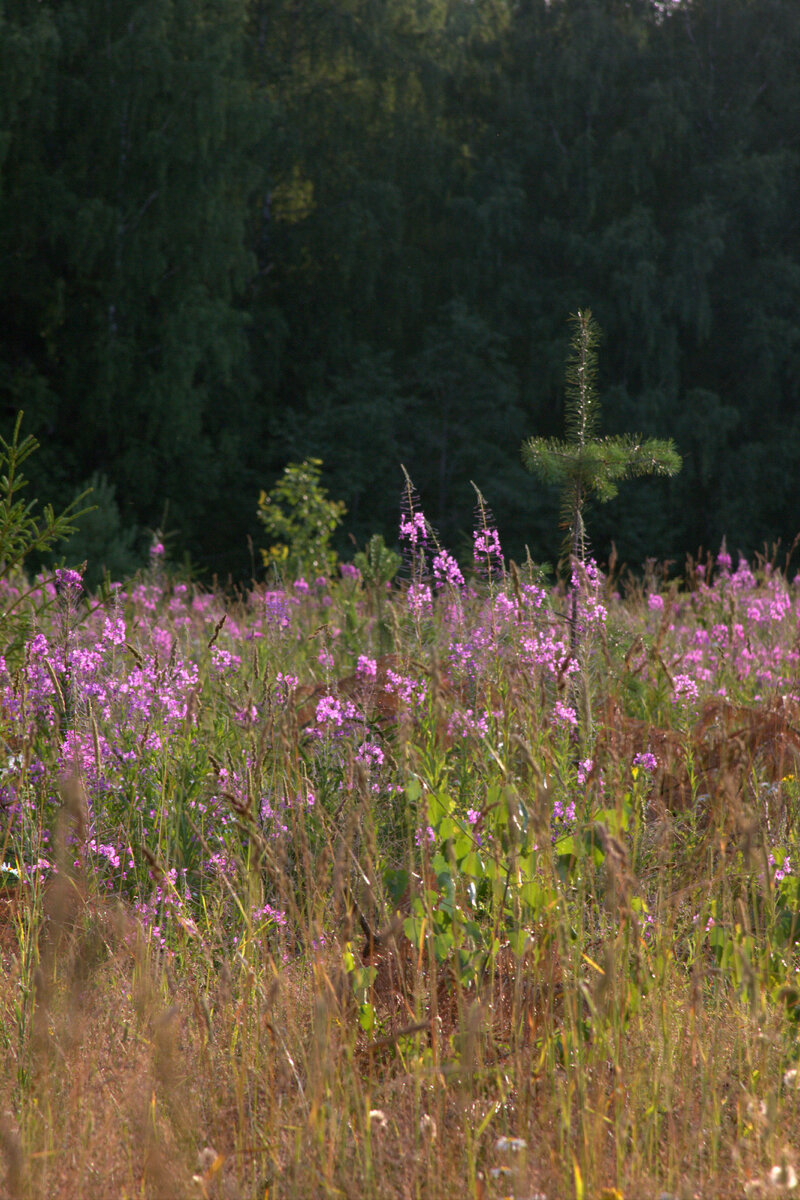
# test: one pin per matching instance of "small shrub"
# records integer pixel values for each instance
(301, 516)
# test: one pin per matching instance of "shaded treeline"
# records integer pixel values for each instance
(235, 232)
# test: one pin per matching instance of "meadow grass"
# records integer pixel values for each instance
(339, 889)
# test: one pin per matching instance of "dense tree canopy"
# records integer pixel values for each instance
(239, 232)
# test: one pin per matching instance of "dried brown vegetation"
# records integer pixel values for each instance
(164, 1082)
(726, 741)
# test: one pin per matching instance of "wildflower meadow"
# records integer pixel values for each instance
(362, 886)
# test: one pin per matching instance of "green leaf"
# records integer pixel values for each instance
(472, 864)
(413, 928)
(463, 846)
(440, 805)
(447, 828)
(534, 896)
(396, 882)
(519, 940)
(413, 791)
(443, 945)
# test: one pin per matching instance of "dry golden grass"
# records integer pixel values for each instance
(129, 1076)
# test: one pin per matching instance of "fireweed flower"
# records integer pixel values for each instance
(162, 641)
(223, 661)
(473, 817)
(447, 571)
(285, 685)
(487, 542)
(533, 596)
(564, 715)
(487, 552)
(410, 691)
(114, 631)
(425, 835)
(466, 723)
(647, 761)
(267, 914)
(68, 582)
(246, 717)
(419, 598)
(471, 657)
(587, 579)
(743, 579)
(550, 652)
(684, 689)
(147, 596)
(276, 608)
(504, 608)
(370, 754)
(780, 871)
(366, 668)
(329, 712)
(563, 817)
(780, 606)
(109, 852)
(272, 816)
(413, 529)
(655, 602)
(78, 756)
(585, 769)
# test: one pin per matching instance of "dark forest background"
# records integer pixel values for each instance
(239, 232)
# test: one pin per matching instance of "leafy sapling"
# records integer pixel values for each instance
(299, 512)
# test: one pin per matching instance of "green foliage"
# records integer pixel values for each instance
(486, 886)
(298, 512)
(587, 465)
(121, 334)
(102, 541)
(377, 562)
(464, 408)
(23, 530)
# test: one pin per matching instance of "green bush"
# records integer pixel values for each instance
(300, 516)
